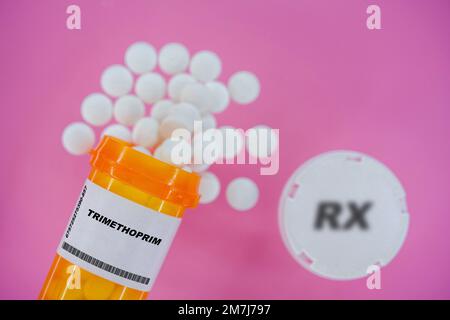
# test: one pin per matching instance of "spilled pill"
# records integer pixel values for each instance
(187, 110)
(220, 96)
(205, 66)
(242, 194)
(145, 132)
(96, 109)
(173, 58)
(150, 87)
(172, 122)
(177, 84)
(116, 80)
(172, 151)
(161, 109)
(198, 95)
(128, 110)
(141, 57)
(244, 87)
(78, 138)
(118, 131)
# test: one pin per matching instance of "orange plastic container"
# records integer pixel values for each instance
(138, 182)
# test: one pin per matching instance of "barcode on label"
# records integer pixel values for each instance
(104, 266)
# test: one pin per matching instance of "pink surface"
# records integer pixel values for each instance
(327, 83)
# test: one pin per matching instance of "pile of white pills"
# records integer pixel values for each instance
(178, 89)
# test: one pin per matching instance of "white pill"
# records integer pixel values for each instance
(128, 110)
(116, 80)
(232, 141)
(186, 110)
(150, 87)
(118, 131)
(198, 95)
(96, 109)
(145, 132)
(205, 66)
(242, 194)
(173, 58)
(261, 141)
(171, 151)
(220, 96)
(209, 188)
(209, 122)
(161, 109)
(143, 150)
(78, 138)
(244, 87)
(141, 57)
(177, 84)
(172, 122)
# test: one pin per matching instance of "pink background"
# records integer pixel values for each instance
(327, 83)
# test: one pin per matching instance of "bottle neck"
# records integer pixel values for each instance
(134, 194)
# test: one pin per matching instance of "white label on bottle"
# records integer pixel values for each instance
(116, 238)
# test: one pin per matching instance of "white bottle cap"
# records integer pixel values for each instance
(341, 213)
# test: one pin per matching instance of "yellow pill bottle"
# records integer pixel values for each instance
(122, 226)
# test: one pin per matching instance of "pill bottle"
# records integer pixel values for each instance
(122, 226)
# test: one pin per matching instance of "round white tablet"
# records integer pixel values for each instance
(209, 188)
(173, 58)
(145, 132)
(242, 194)
(198, 95)
(78, 138)
(341, 213)
(244, 87)
(118, 131)
(96, 109)
(150, 87)
(116, 80)
(209, 122)
(140, 57)
(173, 152)
(186, 110)
(220, 96)
(143, 150)
(172, 122)
(205, 66)
(128, 110)
(161, 109)
(261, 141)
(177, 84)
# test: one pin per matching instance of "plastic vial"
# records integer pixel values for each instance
(122, 226)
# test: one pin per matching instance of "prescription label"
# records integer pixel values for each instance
(116, 238)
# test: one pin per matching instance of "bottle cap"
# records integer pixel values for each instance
(341, 213)
(165, 181)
